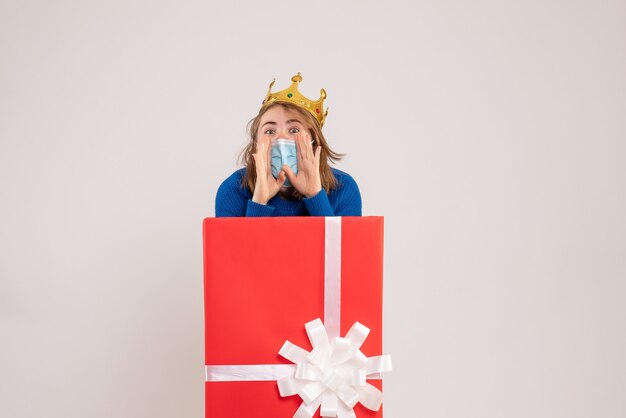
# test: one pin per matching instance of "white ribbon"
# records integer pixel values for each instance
(332, 376)
(250, 372)
(332, 275)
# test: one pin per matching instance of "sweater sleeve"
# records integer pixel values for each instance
(230, 200)
(233, 200)
(318, 205)
(254, 209)
(348, 202)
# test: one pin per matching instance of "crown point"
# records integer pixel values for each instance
(323, 94)
(296, 78)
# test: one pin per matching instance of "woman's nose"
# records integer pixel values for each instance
(284, 133)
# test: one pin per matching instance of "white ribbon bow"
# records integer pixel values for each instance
(333, 374)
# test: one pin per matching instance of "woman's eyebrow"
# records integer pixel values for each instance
(293, 120)
(268, 123)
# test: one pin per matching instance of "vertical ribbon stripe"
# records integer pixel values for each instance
(332, 277)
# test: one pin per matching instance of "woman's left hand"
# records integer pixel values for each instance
(307, 181)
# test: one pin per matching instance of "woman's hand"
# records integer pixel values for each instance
(308, 181)
(266, 185)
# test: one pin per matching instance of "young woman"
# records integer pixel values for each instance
(287, 164)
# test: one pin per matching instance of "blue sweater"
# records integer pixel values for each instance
(233, 199)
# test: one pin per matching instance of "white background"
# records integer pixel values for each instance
(490, 134)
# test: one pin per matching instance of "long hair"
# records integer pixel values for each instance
(328, 180)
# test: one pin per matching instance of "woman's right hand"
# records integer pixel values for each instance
(266, 185)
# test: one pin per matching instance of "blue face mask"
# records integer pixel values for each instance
(284, 152)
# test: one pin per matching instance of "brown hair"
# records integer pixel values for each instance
(329, 182)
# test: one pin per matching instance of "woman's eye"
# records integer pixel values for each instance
(294, 130)
(270, 132)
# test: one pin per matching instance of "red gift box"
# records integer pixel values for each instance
(264, 279)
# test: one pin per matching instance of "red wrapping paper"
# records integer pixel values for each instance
(264, 279)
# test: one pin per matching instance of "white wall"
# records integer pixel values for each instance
(490, 134)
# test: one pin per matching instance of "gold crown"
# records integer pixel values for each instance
(292, 95)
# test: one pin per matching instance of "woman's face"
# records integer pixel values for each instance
(279, 122)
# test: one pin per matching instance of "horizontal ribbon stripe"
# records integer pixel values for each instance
(250, 372)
